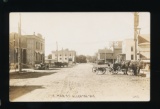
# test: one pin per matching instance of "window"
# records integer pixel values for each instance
(36, 45)
(70, 54)
(131, 57)
(60, 58)
(131, 48)
(60, 55)
(65, 58)
(41, 46)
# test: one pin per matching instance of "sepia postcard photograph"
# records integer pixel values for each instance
(79, 56)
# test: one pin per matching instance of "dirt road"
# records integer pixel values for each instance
(78, 83)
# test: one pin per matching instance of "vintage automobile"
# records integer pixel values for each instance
(41, 66)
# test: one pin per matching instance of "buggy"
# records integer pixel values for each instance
(100, 66)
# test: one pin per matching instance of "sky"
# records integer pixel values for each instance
(84, 32)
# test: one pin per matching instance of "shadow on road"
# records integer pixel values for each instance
(54, 68)
(17, 91)
(29, 75)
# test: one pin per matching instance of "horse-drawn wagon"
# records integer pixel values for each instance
(101, 66)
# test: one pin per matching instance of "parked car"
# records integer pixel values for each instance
(41, 66)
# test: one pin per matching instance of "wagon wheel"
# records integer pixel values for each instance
(111, 70)
(94, 69)
(117, 70)
(104, 70)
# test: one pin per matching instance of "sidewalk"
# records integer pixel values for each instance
(13, 70)
(17, 70)
(143, 71)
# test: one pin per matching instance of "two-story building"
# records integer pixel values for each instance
(35, 49)
(110, 54)
(32, 49)
(64, 55)
(144, 46)
(14, 48)
(144, 49)
(128, 50)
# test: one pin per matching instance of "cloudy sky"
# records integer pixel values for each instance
(84, 32)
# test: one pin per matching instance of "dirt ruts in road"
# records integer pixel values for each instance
(79, 83)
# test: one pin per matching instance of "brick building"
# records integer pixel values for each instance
(35, 49)
(32, 49)
(14, 46)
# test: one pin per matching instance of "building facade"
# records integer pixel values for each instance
(106, 54)
(64, 56)
(49, 62)
(128, 49)
(32, 49)
(144, 47)
(14, 48)
(35, 49)
(110, 54)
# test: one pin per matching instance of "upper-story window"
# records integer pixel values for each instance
(70, 54)
(131, 48)
(131, 57)
(60, 55)
(41, 46)
(36, 45)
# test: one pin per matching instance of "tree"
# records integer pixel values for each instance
(50, 56)
(81, 59)
(91, 58)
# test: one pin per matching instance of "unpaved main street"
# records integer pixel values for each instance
(77, 83)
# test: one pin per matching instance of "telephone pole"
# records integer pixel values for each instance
(136, 23)
(19, 44)
(105, 54)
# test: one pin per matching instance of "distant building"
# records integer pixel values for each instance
(110, 54)
(32, 49)
(64, 56)
(128, 50)
(106, 54)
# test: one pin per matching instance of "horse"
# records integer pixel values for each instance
(136, 65)
(123, 66)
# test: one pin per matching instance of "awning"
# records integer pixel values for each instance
(39, 52)
(146, 43)
(147, 61)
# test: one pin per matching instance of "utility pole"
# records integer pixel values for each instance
(19, 44)
(105, 54)
(136, 23)
(14, 52)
